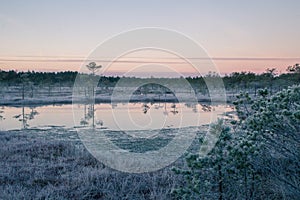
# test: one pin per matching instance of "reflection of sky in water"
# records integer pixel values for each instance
(132, 116)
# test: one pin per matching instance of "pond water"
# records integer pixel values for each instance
(121, 116)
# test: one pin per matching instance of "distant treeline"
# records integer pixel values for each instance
(234, 81)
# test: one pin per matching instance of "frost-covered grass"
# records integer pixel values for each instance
(35, 166)
(13, 95)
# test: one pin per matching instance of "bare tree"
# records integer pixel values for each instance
(93, 67)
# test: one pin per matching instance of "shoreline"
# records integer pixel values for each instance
(41, 101)
(29, 103)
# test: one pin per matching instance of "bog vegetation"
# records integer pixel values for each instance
(256, 156)
(234, 82)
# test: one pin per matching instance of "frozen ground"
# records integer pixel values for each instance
(63, 95)
(53, 164)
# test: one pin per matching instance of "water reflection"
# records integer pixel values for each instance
(193, 106)
(165, 112)
(1, 113)
(174, 111)
(110, 116)
(89, 103)
(89, 117)
(145, 108)
(206, 108)
(25, 117)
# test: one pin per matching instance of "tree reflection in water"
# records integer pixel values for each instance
(174, 111)
(89, 116)
(24, 117)
(145, 108)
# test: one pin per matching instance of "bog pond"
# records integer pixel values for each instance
(120, 116)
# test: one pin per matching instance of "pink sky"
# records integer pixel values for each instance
(246, 35)
(224, 65)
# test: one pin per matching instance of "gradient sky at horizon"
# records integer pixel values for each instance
(238, 35)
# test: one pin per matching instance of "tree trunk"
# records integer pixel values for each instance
(23, 91)
(93, 106)
(23, 117)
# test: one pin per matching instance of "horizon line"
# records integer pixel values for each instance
(81, 59)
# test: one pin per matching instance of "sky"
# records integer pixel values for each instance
(238, 35)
